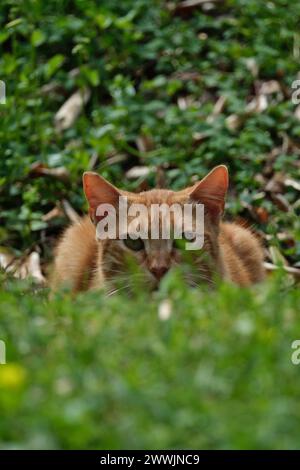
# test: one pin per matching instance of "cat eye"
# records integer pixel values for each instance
(134, 245)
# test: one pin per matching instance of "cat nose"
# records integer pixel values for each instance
(159, 272)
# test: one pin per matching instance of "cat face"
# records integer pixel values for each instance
(153, 251)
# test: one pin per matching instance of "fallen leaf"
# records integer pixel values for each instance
(70, 110)
(34, 267)
(289, 269)
(70, 212)
(53, 214)
(282, 237)
(270, 159)
(297, 112)
(292, 183)
(252, 66)
(188, 5)
(199, 137)
(219, 105)
(93, 161)
(112, 160)
(39, 169)
(144, 143)
(281, 202)
(275, 184)
(203, 36)
(52, 88)
(183, 103)
(23, 268)
(218, 108)
(257, 105)
(270, 87)
(186, 76)
(6, 260)
(138, 172)
(259, 178)
(235, 121)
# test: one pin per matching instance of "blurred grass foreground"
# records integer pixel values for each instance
(187, 369)
(166, 90)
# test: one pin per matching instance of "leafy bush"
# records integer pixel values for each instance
(111, 373)
(156, 73)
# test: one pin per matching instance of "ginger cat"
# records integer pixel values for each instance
(230, 251)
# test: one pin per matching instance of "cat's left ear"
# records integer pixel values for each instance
(211, 191)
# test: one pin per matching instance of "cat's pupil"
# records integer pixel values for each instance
(135, 245)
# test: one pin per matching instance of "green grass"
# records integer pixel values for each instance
(109, 373)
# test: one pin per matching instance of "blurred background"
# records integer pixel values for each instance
(148, 93)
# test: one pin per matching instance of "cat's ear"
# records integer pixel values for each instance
(211, 191)
(98, 191)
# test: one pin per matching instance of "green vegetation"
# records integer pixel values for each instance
(109, 373)
(173, 91)
(139, 61)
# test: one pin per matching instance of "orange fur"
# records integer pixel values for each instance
(232, 251)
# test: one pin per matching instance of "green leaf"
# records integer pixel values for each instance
(38, 37)
(53, 65)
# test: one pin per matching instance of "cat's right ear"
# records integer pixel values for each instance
(98, 191)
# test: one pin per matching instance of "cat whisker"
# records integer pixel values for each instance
(115, 291)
